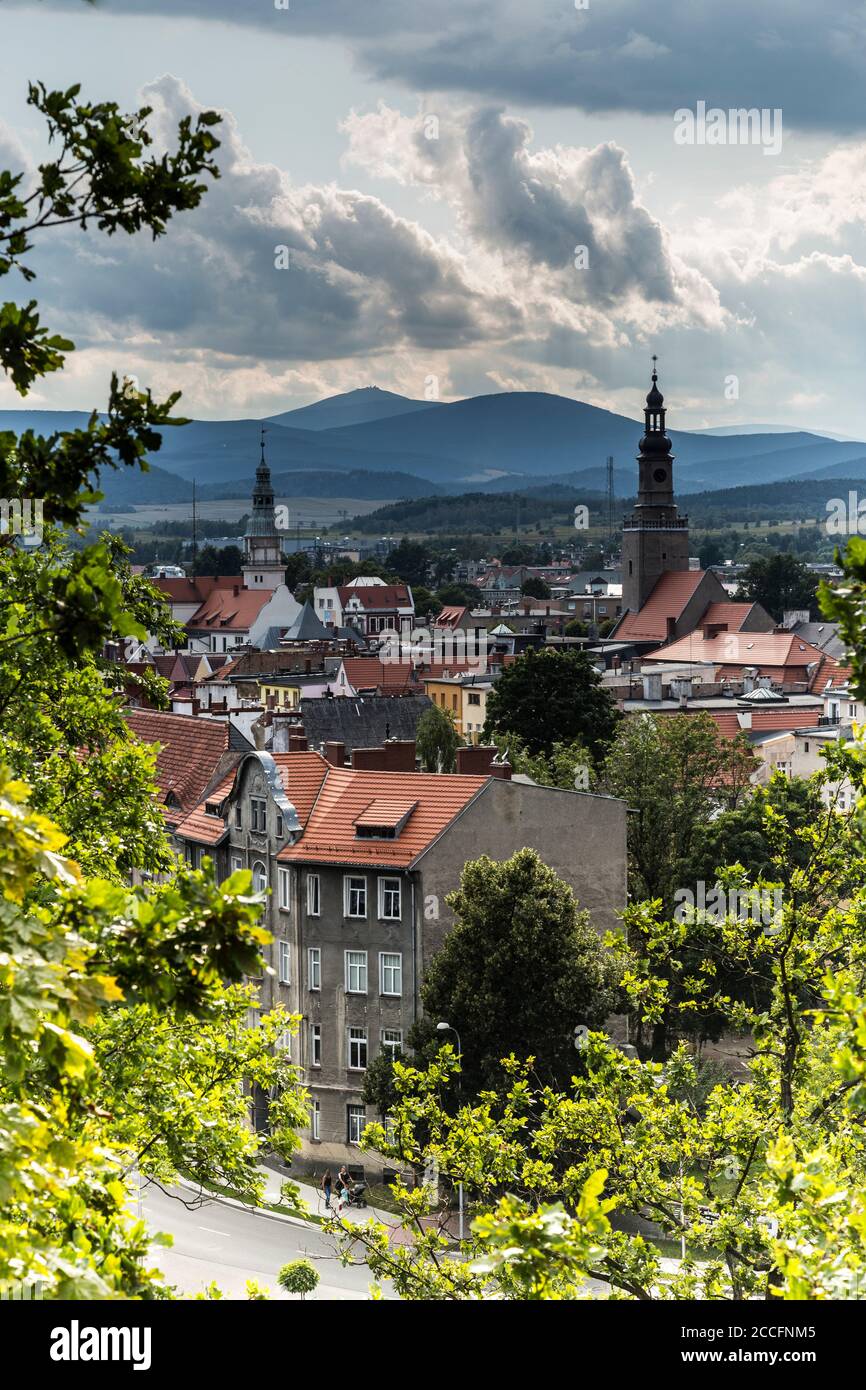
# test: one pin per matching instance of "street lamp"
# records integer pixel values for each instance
(447, 1028)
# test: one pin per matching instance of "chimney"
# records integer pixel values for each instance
(399, 755)
(652, 686)
(369, 759)
(236, 588)
(710, 630)
(195, 705)
(281, 741)
(670, 629)
(334, 753)
(297, 743)
(478, 760)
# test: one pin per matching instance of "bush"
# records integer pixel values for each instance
(299, 1276)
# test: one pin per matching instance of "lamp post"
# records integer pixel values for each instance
(447, 1028)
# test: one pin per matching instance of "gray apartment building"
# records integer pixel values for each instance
(358, 862)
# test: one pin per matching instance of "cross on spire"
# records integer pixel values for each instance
(264, 432)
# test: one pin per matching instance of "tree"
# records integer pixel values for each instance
(299, 1276)
(518, 970)
(710, 552)
(298, 570)
(437, 740)
(83, 958)
(460, 596)
(547, 697)
(212, 559)
(534, 586)
(427, 604)
(567, 765)
(779, 583)
(410, 560)
(675, 772)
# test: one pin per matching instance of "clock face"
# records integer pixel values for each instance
(659, 476)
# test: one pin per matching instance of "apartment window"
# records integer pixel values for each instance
(237, 863)
(389, 899)
(314, 897)
(239, 816)
(852, 710)
(258, 814)
(315, 967)
(474, 698)
(392, 1040)
(284, 1042)
(283, 889)
(356, 972)
(356, 1120)
(279, 814)
(355, 897)
(315, 1120)
(285, 963)
(315, 1044)
(357, 1049)
(260, 877)
(390, 973)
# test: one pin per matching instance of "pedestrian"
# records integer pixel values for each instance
(327, 1183)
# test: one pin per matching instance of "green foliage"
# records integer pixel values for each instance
(437, 740)
(566, 765)
(410, 560)
(298, 1276)
(547, 697)
(535, 587)
(212, 559)
(518, 970)
(779, 582)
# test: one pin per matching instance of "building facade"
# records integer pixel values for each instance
(357, 865)
(655, 538)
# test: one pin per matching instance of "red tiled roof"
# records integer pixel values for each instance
(376, 595)
(733, 615)
(835, 679)
(329, 837)
(783, 650)
(301, 774)
(393, 677)
(189, 753)
(669, 597)
(763, 720)
(195, 590)
(449, 616)
(226, 610)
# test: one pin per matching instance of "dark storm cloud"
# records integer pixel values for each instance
(807, 58)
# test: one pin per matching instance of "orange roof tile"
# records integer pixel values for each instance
(779, 649)
(732, 614)
(301, 774)
(669, 597)
(189, 753)
(329, 837)
(376, 596)
(226, 610)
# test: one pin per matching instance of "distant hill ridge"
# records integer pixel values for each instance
(499, 442)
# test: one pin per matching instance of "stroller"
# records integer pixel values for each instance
(356, 1196)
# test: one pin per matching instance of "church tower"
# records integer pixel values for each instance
(264, 566)
(655, 538)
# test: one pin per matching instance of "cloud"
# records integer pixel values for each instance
(810, 60)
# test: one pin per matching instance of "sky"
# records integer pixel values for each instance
(477, 195)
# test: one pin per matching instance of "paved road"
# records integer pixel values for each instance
(229, 1245)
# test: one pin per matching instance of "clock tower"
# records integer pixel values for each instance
(655, 538)
(264, 566)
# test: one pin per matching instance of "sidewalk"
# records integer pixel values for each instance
(314, 1199)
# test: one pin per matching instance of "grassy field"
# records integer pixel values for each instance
(306, 512)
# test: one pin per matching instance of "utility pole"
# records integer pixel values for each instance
(610, 499)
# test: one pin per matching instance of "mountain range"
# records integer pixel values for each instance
(376, 444)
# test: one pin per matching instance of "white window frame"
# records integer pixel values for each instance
(348, 891)
(258, 811)
(356, 1119)
(237, 863)
(261, 887)
(392, 1043)
(392, 970)
(387, 886)
(314, 895)
(284, 967)
(359, 966)
(315, 1044)
(284, 889)
(314, 967)
(284, 1041)
(360, 1040)
(315, 1120)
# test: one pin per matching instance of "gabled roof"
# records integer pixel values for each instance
(733, 615)
(190, 755)
(361, 722)
(377, 595)
(307, 627)
(301, 774)
(778, 650)
(330, 834)
(671, 592)
(195, 590)
(227, 611)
